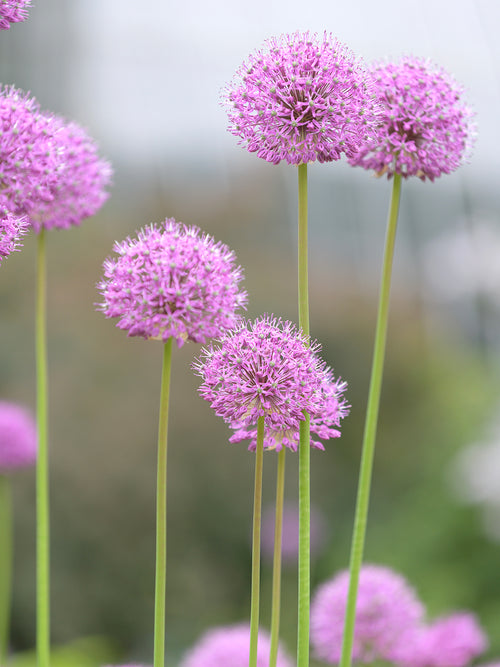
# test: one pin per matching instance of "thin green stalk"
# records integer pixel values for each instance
(278, 530)
(5, 565)
(365, 474)
(257, 513)
(42, 467)
(304, 444)
(161, 510)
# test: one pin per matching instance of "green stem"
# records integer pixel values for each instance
(161, 510)
(363, 498)
(304, 444)
(257, 512)
(5, 565)
(278, 530)
(42, 467)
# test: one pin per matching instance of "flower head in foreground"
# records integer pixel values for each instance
(301, 98)
(172, 281)
(426, 129)
(267, 368)
(386, 610)
(80, 190)
(31, 160)
(11, 231)
(13, 11)
(17, 437)
(229, 647)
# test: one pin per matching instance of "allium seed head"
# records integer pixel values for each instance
(229, 647)
(13, 11)
(301, 98)
(426, 128)
(18, 446)
(172, 281)
(11, 230)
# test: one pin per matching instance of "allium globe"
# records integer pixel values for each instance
(229, 647)
(13, 11)
(18, 442)
(387, 609)
(12, 229)
(172, 281)
(425, 129)
(301, 98)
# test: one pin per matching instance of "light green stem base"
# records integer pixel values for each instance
(278, 532)
(6, 552)
(365, 474)
(161, 510)
(257, 514)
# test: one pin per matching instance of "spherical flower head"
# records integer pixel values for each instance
(80, 190)
(426, 128)
(13, 11)
(301, 98)
(172, 281)
(387, 609)
(230, 647)
(31, 159)
(18, 440)
(12, 229)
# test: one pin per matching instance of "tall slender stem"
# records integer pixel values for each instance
(257, 513)
(161, 510)
(42, 467)
(5, 565)
(278, 531)
(304, 445)
(365, 474)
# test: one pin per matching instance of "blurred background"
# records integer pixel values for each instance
(145, 80)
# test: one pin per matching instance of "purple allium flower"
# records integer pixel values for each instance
(230, 647)
(80, 190)
(18, 446)
(290, 534)
(268, 368)
(172, 281)
(426, 129)
(387, 609)
(301, 98)
(31, 160)
(13, 11)
(11, 230)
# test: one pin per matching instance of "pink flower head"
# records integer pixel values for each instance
(172, 281)
(11, 230)
(268, 368)
(301, 98)
(230, 647)
(81, 187)
(13, 11)
(31, 160)
(17, 437)
(386, 610)
(425, 129)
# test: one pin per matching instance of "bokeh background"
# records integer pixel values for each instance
(145, 79)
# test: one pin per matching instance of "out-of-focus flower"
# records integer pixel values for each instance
(172, 281)
(230, 647)
(80, 190)
(12, 229)
(387, 609)
(267, 368)
(426, 128)
(301, 98)
(13, 11)
(290, 534)
(18, 442)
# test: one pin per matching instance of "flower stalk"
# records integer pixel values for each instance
(278, 533)
(257, 514)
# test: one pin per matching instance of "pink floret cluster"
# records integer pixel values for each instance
(269, 368)
(12, 229)
(172, 281)
(301, 98)
(13, 11)
(18, 441)
(426, 129)
(229, 647)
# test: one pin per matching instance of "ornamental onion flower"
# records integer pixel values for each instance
(17, 437)
(11, 230)
(229, 647)
(267, 368)
(425, 129)
(13, 11)
(387, 609)
(172, 281)
(301, 98)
